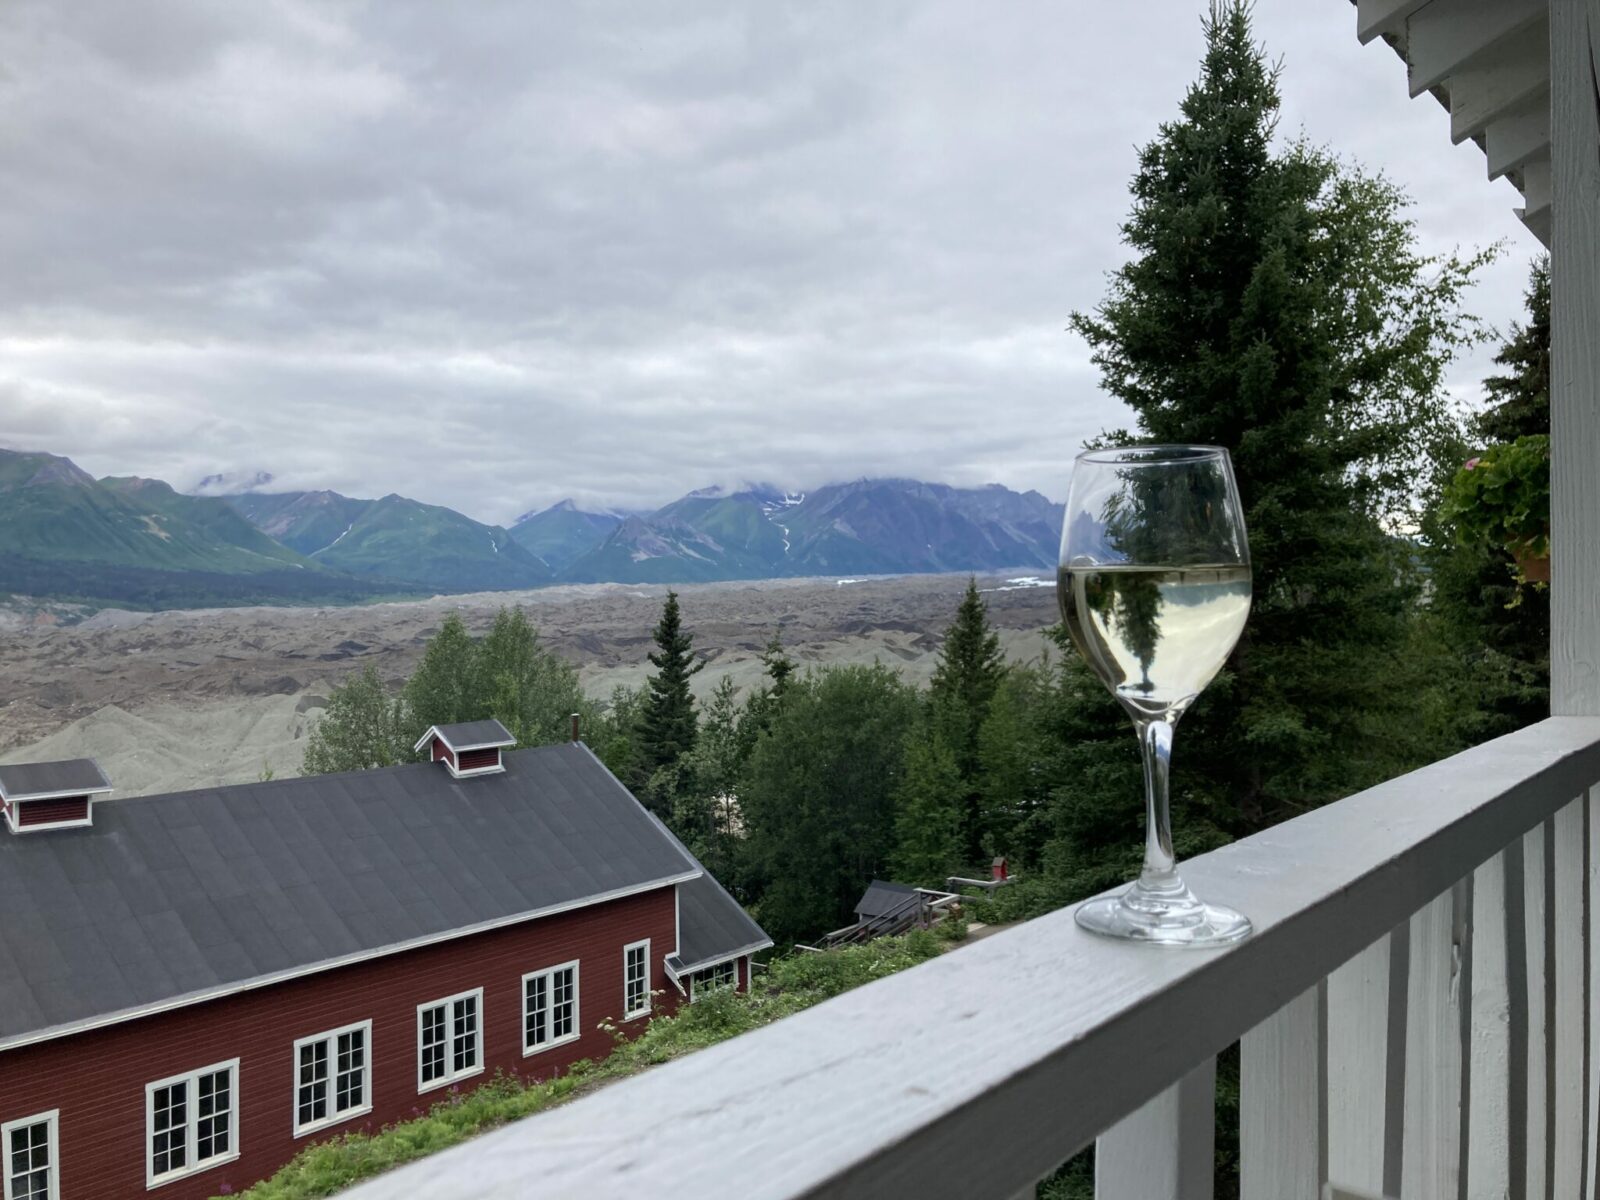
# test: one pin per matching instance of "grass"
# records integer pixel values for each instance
(787, 987)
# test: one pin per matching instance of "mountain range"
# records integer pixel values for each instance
(140, 542)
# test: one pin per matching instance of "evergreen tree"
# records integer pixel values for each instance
(964, 682)
(1497, 633)
(1520, 399)
(779, 666)
(930, 804)
(667, 720)
(363, 727)
(1276, 305)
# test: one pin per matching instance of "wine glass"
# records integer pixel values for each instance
(1154, 586)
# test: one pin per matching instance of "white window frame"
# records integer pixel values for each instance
(577, 1023)
(733, 982)
(50, 1119)
(633, 1014)
(191, 1080)
(332, 1039)
(451, 1075)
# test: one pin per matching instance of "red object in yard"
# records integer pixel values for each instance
(998, 869)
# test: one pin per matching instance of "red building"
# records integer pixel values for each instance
(195, 986)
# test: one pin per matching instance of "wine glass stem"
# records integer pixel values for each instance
(1160, 865)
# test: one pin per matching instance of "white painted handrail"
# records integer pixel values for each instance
(980, 1072)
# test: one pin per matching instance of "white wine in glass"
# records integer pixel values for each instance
(1154, 588)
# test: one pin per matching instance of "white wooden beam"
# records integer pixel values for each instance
(1434, 1016)
(1375, 18)
(1446, 35)
(1283, 1144)
(1518, 138)
(1358, 1069)
(1486, 91)
(1571, 1003)
(1167, 1149)
(1575, 360)
(1535, 1092)
(1537, 198)
(1489, 1065)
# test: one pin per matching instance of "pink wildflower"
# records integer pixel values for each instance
(1473, 462)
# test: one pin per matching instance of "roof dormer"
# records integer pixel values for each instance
(52, 795)
(468, 749)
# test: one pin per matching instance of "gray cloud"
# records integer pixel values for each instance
(491, 257)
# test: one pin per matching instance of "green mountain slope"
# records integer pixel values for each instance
(400, 539)
(563, 533)
(303, 521)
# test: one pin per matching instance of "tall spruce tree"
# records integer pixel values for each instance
(667, 717)
(969, 671)
(1276, 304)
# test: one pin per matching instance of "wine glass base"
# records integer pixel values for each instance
(1192, 924)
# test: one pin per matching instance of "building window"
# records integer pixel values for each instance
(330, 1081)
(449, 1039)
(635, 980)
(189, 1122)
(724, 974)
(29, 1146)
(549, 1007)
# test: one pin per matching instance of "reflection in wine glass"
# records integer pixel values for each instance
(1154, 587)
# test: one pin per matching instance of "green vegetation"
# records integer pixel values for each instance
(507, 674)
(787, 987)
(667, 721)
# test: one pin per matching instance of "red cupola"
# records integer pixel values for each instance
(52, 795)
(468, 749)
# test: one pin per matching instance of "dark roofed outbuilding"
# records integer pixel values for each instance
(70, 777)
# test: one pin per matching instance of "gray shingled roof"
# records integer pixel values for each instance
(74, 775)
(200, 893)
(882, 898)
(468, 734)
(712, 925)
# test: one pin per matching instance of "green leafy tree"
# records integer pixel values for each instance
(363, 727)
(667, 719)
(444, 687)
(1276, 304)
(817, 804)
(612, 733)
(969, 671)
(930, 804)
(525, 686)
(705, 808)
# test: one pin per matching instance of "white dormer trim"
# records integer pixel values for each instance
(454, 753)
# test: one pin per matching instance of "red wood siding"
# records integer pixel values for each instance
(441, 752)
(49, 812)
(97, 1079)
(472, 760)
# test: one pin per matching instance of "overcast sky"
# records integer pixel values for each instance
(493, 255)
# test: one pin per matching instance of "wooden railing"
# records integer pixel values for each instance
(1415, 1011)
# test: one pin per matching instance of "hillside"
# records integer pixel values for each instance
(139, 543)
(562, 533)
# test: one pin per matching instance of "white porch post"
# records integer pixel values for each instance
(1575, 359)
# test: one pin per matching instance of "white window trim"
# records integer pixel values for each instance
(52, 1141)
(192, 1106)
(577, 1022)
(450, 1076)
(733, 983)
(349, 1114)
(634, 1014)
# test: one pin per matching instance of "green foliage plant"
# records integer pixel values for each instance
(1501, 496)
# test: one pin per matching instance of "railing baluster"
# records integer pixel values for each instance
(1431, 1154)
(1488, 1121)
(1282, 1130)
(1571, 1003)
(1165, 1150)
(1358, 1059)
(1536, 1141)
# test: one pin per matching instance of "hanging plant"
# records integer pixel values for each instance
(1502, 497)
